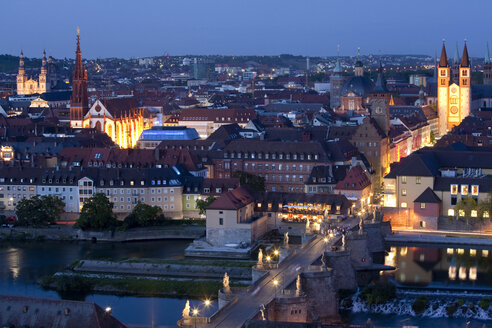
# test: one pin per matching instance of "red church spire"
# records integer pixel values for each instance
(79, 101)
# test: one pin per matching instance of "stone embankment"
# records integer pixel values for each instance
(441, 239)
(154, 268)
(71, 233)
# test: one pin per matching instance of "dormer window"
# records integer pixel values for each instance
(131, 183)
(101, 183)
(111, 182)
(122, 183)
(142, 182)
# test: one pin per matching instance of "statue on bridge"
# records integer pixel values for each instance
(344, 241)
(298, 285)
(260, 258)
(186, 310)
(361, 229)
(225, 282)
(286, 239)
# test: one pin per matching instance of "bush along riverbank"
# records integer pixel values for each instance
(77, 286)
(387, 300)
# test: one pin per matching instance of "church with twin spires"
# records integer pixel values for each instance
(453, 91)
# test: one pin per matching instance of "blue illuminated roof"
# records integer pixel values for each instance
(158, 133)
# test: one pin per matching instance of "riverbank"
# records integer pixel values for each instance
(74, 284)
(183, 268)
(69, 233)
(439, 238)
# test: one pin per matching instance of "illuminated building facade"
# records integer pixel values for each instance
(453, 95)
(29, 86)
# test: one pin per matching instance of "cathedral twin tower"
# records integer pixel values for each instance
(453, 92)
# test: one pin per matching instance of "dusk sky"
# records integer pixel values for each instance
(128, 28)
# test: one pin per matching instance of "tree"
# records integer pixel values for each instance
(252, 181)
(39, 210)
(97, 214)
(432, 138)
(201, 204)
(144, 215)
(465, 206)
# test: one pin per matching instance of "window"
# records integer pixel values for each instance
(403, 192)
(454, 189)
(486, 214)
(403, 204)
(464, 190)
(474, 213)
(422, 224)
(461, 212)
(418, 180)
(221, 221)
(474, 190)
(403, 179)
(422, 205)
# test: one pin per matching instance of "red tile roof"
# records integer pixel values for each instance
(233, 200)
(356, 179)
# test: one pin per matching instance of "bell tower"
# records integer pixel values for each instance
(79, 102)
(21, 75)
(43, 87)
(380, 99)
(465, 87)
(443, 73)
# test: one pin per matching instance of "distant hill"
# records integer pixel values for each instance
(9, 63)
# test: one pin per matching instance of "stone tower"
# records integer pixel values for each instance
(336, 84)
(487, 68)
(455, 71)
(465, 85)
(79, 102)
(380, 98)
(43, 83)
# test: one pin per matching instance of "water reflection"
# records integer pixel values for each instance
(440, 267)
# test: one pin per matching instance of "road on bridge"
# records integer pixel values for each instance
(248, 305)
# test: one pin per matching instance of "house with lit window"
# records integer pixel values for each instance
(430, 182)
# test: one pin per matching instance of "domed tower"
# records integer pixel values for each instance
(21, 75)
(79, 102)
(336, 83)
(43, 85)
(380, 98)
(487, 68)
(359, 67)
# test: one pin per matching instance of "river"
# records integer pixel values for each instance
(23, 263)
(420, 270)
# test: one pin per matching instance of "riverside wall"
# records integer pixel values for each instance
(71, 233)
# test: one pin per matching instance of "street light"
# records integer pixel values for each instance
(207, 303)
(275, 283)
(195, 313)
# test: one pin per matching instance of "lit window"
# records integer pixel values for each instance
(474, 190)
(454, 189)
(403, 204)
(486, 214)
(404, 179)
(461, 212)
(422, 205)
(451, 212)
(474, 213)
(418, 180)
(403, 192)
(464, 190)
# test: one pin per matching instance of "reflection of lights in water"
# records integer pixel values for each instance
(403, 251)
(390, 257)
(473, 252)
(417, 278)
(13, 261)
(422, 257)
(452, 272)
(473, 273)
(450, 251)
(402, 277)
(462, 273)
(485, 252)
(461, 251)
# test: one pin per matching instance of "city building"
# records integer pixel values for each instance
(151, 138)
(79, 103)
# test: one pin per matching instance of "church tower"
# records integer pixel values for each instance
(455, 71)
(465, 84)
(21, 75)
(443, 91)
(79, 102)
(453, 99)
(487, 68)
(359, 67)
(380, 99)
(336, 84)
(43, 84)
